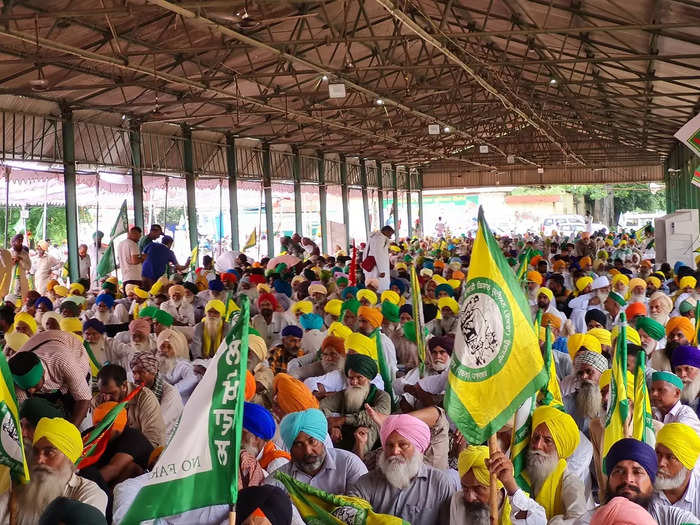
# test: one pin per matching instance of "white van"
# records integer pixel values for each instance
(563, 224)
(634, 221)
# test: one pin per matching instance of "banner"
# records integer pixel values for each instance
(417, 301)
(199, 467)
(618, 404)
(11, 446)
(689, 134)
(108, 262)
(496, 364)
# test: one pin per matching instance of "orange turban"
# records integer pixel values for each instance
(100, 411)
(635, 309)
(292, 395)
(458, 275)
(250, 386)
(535, 277)
(373, 315)
(585, 260)
(680, 323)
(559, 265)
(551, 320)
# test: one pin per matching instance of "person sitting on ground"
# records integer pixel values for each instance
(290, 348)
(677, 482)
(256, 438)
(182, 311)
(210, 331)
(174, 364)
(665, 396)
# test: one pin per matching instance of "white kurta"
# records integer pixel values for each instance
(378, 247)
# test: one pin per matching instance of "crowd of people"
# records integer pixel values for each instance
(336, 394)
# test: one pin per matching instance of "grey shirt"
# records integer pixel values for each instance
(419, 504)
(339, 472)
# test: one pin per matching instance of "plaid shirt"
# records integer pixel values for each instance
(279, 358)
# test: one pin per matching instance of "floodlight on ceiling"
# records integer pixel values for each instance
(540, 170)
(379, 102)
(553, 81)
(324, 78)
(483, 148)
(446, 129)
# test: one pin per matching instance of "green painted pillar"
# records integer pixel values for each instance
(322, 202)
(136, 175)
(365, 199)
(188, 164)
(420, 203)
(267, 188)
(345, 199)
(380, 193)
(395, 209)
(69, 182)
(296, 174)
(409, 215)
(232, 170)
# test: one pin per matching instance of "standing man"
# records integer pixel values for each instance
(130, 257)
(84, 263)
(95, 252)
(378, 249)
(45, 266)
(154, 234)
(158, 257)
(19, 285)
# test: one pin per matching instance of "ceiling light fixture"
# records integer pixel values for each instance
(379, 102)
(553, 81)
(446, 129)
(324, 78)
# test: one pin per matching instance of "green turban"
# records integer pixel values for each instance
(653, 328)
(34, 408)
(163, 318)
(361, 364)
(351, 304)
(390, 311)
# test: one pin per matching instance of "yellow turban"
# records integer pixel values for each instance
(535, 277)
(77, 287)
(258, 346)
(391, 296)
(574, 343)
(654, 281)
(448, 302)
(621, 277)
(333, 307)
(140, 292)
(474, 458)
(15, 340)
(687, 281)
(263, 288)
(607, 374)
(24, 317)
(637, 282)
(367, 294)
(339, 330)
(602, 335)
(114, 280)
(305, 307)
(682, 441)
(373, 315)
(71, 324)
(129, 288)
(362, 345)
(632, 335)
(217, 305)
(400, 266)
(61, 291)
(582, 282)
(547, 293)
(562, 427)
(454, 283)
(62, 434)
(155, 289)
(439, 279)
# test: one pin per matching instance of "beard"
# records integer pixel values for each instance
(354, 397)
(664, 482)
(637, 298)
(175, 303)
(439, 367)
(532, 294)
(98, 348)
(212, 327)
(399, 472)
(630, 492)
(103, 316)
(46, 485)
(143, 346)
(588, 400)
(166, 364)
(623, 291)
(330, 366)
(310, 463)
(691, 389)
(477, 513)
(660, 317)
(540, 466)
(188, 300)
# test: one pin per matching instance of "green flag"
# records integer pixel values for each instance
(108, 262)
(199, 467)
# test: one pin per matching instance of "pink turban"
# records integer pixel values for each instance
(411, 428)
(140, 326)
(621, 511)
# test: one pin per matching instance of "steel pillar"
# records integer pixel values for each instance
(322, 202)
(408, 202)
(380, 194)
(345, 199)
(69, 181)
(296, 175)
(232, 170)
(136, 175)
(395, 209)
(267, 188)
(420, 204)
(188, 164)
(365, 199)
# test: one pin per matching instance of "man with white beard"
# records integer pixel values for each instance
(613, 305)
(449, 322)
(581, 305)
(665, 396)
(103, 310)
(554, 438)
(182, 312)
(638, 291)
(534, 281)
(104, 349)
(685, 363)
(660, 307)
(257, 437)
(349, 424)
(331, 364)
(174, 363)
(677, 483)
(56, 447)
(470, 506)
(403, 485)
(651, 333)
(210, 331)
(439, 354)
(584, 402)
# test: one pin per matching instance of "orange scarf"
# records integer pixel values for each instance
(271, 453)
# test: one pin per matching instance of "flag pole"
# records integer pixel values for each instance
(232, 515)
(493, 487)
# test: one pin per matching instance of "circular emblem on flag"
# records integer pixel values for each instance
(486, 326)
(9, 435)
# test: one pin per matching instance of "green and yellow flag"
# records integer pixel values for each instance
(496, 353)
(643, 429)
(618, 404)
(13, 462)
(551, 392)
(252, 240)
(418, 318)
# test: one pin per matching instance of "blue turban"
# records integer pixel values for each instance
(95, 324)
(216, 285)
(428, 264)
(349, 291)
(258, 421)
(632, 450)
(282, 287)
(293, 330)
(310, 421)
(678, 266)
(45, 301)
(444, 288)
(685, 355)
(400, 284)
(311, 322)
(106, 299)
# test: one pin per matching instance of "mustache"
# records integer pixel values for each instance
(629, 487)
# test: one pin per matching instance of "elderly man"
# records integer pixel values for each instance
(329, 469)
(44, 267)
(104, 349)
(21, 264)
(449, 322)
(319, 297)
(143, 409)
(534, 281)
(369, 322)
(375, 257)
(471, 504)
(289, 349)
(660, 307)
(256, 439)
(353, 428)
(182, 311)
(554, 438)
(139, 337)
(56, 446)
(210, 331)
(685, 362)
(613, 305)
(677, 451)
(104, 310)
(439, 354)
(581, 392)
(269, 322)
(665, 395)
(403, 485)
(651, 333)
(144, 367)
(174, 365)
(632, 467)
(331, 365)
(54, 365)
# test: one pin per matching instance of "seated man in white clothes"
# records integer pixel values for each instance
(182, 311)
(174, 363)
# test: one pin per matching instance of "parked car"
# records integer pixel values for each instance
(563, 224)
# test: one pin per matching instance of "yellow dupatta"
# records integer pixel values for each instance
(549, 495)
(207, 347)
